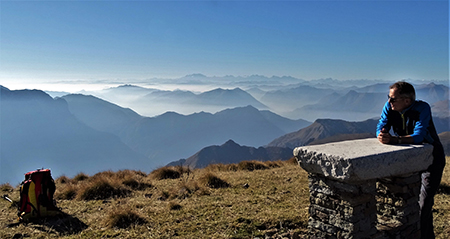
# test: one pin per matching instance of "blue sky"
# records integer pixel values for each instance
(123, 40)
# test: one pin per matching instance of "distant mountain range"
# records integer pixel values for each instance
(364, 103)
(172, 136)
(152, 102)
(307, 100)
(85, 133)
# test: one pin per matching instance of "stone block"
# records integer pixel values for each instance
(359, 160)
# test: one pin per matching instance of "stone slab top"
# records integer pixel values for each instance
(363, 159)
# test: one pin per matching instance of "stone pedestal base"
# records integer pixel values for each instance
(342, 210)
(377, 209)
(398, 206)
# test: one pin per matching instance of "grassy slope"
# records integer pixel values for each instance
(276, 200)
(275, 203)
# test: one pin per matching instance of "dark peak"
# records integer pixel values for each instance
(169, 114)
(237, 89)
(25, 94)
(128, 86)
(352, 92)
(327, 121)
(248, 108)
(230, 143)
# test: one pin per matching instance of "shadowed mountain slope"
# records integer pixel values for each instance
(324, 128)
(101, 114)
(231, 152)
(38, 131)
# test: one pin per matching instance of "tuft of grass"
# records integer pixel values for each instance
(127, 173)
(101, 188)
(252, 165)
(135, 184)
(80, 177)
(124, 218)
(68, 192)
(220, 167)
(165, 173)
(211, 180)
(184, 190)
(292, 161)
(6, 187)
(174, 206)
(63, 179)
(273, 164)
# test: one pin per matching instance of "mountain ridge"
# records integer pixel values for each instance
(231, 152)
(38, 131)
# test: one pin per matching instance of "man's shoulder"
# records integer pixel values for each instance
(419, 107)
(419, 104)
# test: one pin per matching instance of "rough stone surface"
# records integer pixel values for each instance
(359, 160)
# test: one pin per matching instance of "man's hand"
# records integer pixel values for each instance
(384, 137)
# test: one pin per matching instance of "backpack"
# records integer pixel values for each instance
(36, 195)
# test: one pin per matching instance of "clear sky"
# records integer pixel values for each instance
(122, 40)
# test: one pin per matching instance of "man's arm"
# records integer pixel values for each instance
(386, 138)
(383, 122)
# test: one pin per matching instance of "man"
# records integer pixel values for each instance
(412, 123)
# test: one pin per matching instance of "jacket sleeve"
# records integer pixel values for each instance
(421, 126)
(383, 122)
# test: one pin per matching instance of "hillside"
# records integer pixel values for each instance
(231, 152)
(100, 114)
(324, 128)
(38, 131)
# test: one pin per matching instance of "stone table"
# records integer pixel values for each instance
(364, 189)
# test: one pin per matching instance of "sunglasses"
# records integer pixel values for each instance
(393, 100)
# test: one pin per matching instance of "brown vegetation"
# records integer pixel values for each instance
(124, 218)
(256, 199)
(211, 180)
(169, 172)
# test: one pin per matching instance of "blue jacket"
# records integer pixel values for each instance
(416, 121)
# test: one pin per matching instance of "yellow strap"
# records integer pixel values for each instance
(32, 195)
(404, 124)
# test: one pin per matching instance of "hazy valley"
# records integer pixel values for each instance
(135, 127)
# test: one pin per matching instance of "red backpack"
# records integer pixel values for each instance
(36, 195)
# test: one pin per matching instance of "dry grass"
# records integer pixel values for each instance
(169, 172)
(124, 218)
(6, 187)
(274, 201)
(102, 188)
(212, 181)
(80, 177)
